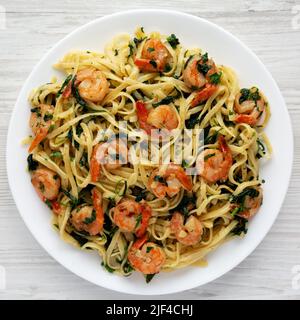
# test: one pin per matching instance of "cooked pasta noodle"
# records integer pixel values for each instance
(149, 207)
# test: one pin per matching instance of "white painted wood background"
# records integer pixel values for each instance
(33, 27)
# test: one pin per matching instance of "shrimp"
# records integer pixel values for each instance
(89, 218)
(188, 233)
(131, 216)
(197, 76)
(40, 123)
(146, 257)
(251, 204)
(162, 117)
(46, 183)
(111, 155)
(168, 179)
(154, 58)
(92, 84)
(213, 165)
(249, 105)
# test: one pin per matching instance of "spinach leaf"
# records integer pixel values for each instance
(32, 164)
(77, 96)
(241, 227)
(149, 277)
(80, 239)
(65, 83)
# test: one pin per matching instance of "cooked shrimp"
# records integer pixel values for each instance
(40, 122)
(197, 75)
(188, 233)
(168, 179)
(89, 218)
(161, 117)
(131, 216)
(146, 257)
(155, 57)
(46, 183)
(249, 105)
(252, 204)
(92, 84)
(111, 155)
(213, 165)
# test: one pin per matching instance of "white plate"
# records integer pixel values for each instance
(225, 49)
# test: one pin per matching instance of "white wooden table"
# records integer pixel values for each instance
(269, 27)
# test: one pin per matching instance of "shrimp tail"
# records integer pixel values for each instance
(146, 215)
(140, 242)
(97, 203)
(204, 94)
(225, 148)
(142, 114)
(245, 118)
(145, 65)
(95, 167)
(40, 136)
(179, 172)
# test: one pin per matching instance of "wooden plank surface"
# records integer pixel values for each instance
(33, 27)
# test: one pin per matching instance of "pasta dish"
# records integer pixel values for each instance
(147, 153)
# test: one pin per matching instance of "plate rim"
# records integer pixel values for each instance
(189, 16)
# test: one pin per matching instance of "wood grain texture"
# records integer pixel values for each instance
(33, 27)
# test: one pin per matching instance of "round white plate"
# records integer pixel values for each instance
(225, 49)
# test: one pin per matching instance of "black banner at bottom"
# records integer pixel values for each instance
(145, 309)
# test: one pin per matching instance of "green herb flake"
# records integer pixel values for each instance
(138, 221)
(150, 49)
(209, 156)
(153, 63)
(48, 117)
(149, 249)
(215, 78)
(56, 154)
(90, 219)
(173, 41)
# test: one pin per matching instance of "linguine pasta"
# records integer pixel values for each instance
(180, 205)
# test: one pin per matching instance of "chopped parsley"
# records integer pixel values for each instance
(215, 78)
(48, 117)
(159, 179)
(56, 154)
(150, 49)
(203, 68)
(153, 63)
(173, 41)
(209, 156)
(167, 68)
(90, 219)
(149, 249)
(138, 221)
(249, 94)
